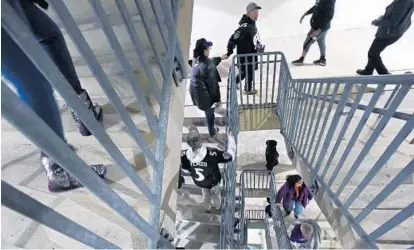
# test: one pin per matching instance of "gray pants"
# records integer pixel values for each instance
(320, 38)
(211, 197)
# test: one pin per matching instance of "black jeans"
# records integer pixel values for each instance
(246, 71)
(210, 117)
(51, 39)
(374, 55)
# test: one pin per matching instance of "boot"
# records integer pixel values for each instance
(94, 108)
(59, 179)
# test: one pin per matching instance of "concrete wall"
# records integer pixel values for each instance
(174, 130)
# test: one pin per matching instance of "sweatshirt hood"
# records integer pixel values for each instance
(245, 19)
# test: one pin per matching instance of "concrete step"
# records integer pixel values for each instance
(201, 233)
(201, 218)
(197, 117)
(205, 136)
(191, 244)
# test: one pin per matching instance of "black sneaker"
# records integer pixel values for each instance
(298, 62)
(60, 180)
(213, 138)
(94, 108)
(250, 92)
(363, 72)
(320, 62)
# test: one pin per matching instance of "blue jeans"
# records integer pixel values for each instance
(320, 38)
(296, 207)
(31, 85)
(210, 117)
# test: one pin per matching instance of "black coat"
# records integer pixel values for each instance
(243, 37)
(396, 20)
(204, 82)
(322, 14)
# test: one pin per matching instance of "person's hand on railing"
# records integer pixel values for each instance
(224, 57)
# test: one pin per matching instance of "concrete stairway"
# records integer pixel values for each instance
(195, 227)
(20, 158)
(253, 157)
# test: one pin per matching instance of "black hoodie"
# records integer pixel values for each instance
(243, 37)
(322, 14)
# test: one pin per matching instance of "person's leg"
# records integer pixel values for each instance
(298, 210)
(375, 54)
(216, 196)
(242, 71)
(321, 39)
(248, 85)
(374, 57)
(210, 117)
(206, 198)
(306, 46)
(51, 39)
(36, 92)
(31, 85)
(289, 209)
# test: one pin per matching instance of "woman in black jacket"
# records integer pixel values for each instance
(204, 83)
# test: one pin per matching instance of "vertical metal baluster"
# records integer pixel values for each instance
(296, 111)
(403, 175)
(239, 64)
(20, 115)
(335, 91)
(139, 49)
(246, 79)
(301, 121)
(119, 53)
(379, 164)
(333, 125)
(291, 101)
(402, 92)
(328, 87)
(374, 99)
(344, 128)
(151, 37)
(307, 134)
(267, 77)
(254, 63)
(274, 79)
(13, 25)
(261, 80)
(397, 219)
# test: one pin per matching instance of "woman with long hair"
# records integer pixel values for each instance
(294, 195)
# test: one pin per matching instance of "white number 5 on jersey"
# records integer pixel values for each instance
(200, 176)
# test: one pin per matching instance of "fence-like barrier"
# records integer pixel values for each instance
(261, 183)
(371, 113)
(20, 115)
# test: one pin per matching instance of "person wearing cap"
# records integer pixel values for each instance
(243, 38)
(202, 163)
(204, 82)
(322, 14)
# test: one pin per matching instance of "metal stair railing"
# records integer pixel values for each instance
(261, 183)
(316, 113)
(20, 115)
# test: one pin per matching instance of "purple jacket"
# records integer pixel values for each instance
(286, 194)
(297, 235)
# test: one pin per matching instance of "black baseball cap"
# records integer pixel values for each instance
(201, 45)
